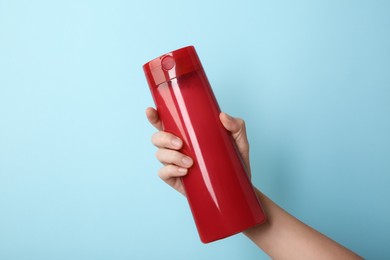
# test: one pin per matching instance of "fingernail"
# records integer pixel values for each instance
(183, 170)
(176, 142)
(186, 161)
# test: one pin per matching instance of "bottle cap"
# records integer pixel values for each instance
(172, 65)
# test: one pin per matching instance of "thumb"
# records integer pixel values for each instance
(234, 125)
(237, 128)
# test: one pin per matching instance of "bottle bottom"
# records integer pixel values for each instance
(232, 233)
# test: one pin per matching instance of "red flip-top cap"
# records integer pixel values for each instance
(172, 65)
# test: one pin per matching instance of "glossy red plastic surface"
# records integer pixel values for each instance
(219, 192)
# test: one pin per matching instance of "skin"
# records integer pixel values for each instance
(283, 236)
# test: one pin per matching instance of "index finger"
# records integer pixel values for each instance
(153, 118)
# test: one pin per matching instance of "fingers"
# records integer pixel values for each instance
(166, 140)
(168, 145)
(167, 156)
(153, 118)
(171, 171)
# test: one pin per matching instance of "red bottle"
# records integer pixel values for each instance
(218, 189)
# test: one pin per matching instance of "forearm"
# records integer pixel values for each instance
(285, 237)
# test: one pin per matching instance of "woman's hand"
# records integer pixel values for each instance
(176, 164)
(282, 236)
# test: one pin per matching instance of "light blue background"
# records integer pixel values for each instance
(77, 169)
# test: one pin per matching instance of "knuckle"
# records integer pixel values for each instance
(242, 127)
(241, 122)
(166, 172)
(154, 138)
(161, 173)
(165, 139)
(167, 156)
(158, 154)
(161, 139)
(173, 157)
